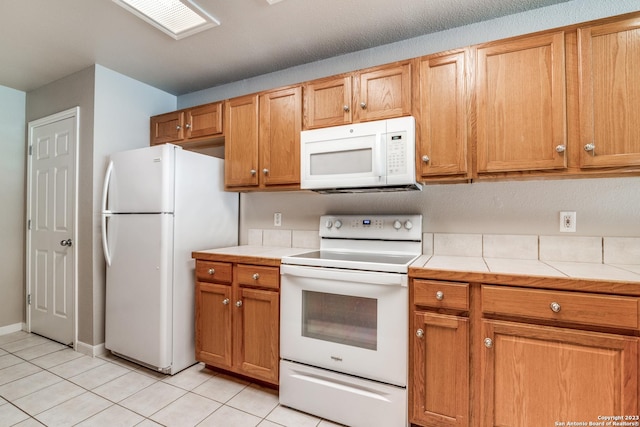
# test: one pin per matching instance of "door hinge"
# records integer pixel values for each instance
(29, 299)
(30, 150)
(28, 224)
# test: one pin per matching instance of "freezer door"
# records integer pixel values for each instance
(139, 289)
(142, 180)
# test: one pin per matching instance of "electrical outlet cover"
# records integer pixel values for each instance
(567, 222)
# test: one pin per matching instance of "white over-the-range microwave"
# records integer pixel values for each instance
(361, 157)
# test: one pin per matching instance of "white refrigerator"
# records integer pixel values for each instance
(159, 204)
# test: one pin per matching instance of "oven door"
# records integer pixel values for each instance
(347, 321)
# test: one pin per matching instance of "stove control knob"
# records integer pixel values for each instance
(338, 223)
(328, 224)
(408, 225)
(397, 225)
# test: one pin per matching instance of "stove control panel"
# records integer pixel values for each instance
(393, 227)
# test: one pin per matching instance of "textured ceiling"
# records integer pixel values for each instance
(44, 40)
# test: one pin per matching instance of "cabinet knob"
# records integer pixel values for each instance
(439, 295)
(255, 276)
(488, 342)
(265, 171)
(589, 147)
(420, 333)
(425, 158)
(345, 108)
(178, 127)
(188, 126)
(225, 301)
(561, 148)
(253, 172)
(239, 303)
(363, 105)
(555, 307)
(212, 271)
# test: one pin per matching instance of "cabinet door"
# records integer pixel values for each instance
(167, 128)
(520, 104)
(280, 126)
(241, 142)
(442, 147)
(256, 334)
(609, 64)
(439, 381)
(535, 375)
(213, 324)
(204, 121)
(383, 92)
(327, 102)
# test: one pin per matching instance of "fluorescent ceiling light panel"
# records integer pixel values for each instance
(176, 18)
(273, 1)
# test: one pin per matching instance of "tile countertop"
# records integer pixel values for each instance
(265, 255)
(587, 276)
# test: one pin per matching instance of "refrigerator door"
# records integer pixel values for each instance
(139, 292)
(141, 181)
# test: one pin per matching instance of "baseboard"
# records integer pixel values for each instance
(9, 329)
(91, 350)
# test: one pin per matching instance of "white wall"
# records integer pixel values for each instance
(605, 207)
(608, 206)
(12, 224)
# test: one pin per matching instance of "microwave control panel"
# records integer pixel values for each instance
(397, 153)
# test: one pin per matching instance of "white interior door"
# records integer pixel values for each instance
(51, 258)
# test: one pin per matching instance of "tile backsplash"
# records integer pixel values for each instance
(610, 250)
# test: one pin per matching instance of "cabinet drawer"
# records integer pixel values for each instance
(441, 294)
(258, 276)
(571, 307)
(209, 271)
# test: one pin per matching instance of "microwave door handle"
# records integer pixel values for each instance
(380, 157)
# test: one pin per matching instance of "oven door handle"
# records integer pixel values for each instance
(358, 276)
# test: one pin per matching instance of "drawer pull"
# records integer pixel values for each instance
(212, 271)
(488, 342)
(255, 276)
(225, 301)
(439, 295)
(555, 307)
(419, 333)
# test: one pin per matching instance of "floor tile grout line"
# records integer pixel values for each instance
(131, 369)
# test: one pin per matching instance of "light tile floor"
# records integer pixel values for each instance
(46, 383)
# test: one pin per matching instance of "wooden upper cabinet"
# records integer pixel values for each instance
(203, 121)
(609, 99)
(372, 94)
(280, 126)
(167, 127)
(241, 142)
(383, 92)
(521, 104)
(190, 124)
(441, 143)
(262, 142)
(327, 102)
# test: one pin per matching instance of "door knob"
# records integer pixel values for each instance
(67, 242)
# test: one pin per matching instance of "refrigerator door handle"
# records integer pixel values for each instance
(106, 213)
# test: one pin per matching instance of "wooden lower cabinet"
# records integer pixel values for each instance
(540, 375)
(439, 395)
(512, 356)
(237, 322)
